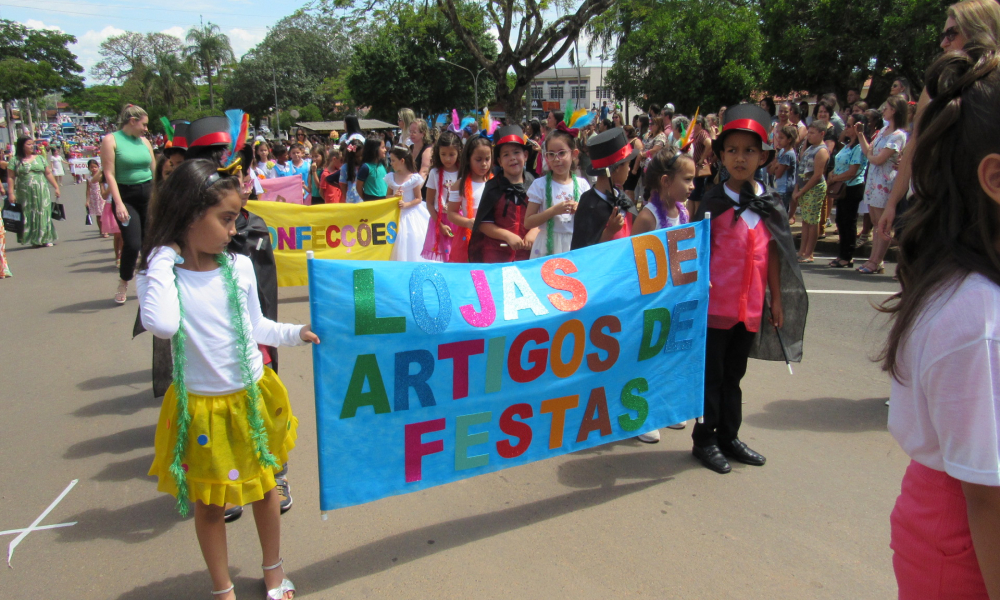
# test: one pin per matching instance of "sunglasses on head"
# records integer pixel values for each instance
(950, 34)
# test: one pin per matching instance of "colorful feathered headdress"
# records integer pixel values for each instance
(239, 125)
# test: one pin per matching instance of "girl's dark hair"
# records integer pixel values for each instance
(559, 115)
(536, 128)
(643, 125)
(607, 124)
(875, 122)
(770, 108)
(555, 134)
(858, 118)
(465, 165)
(952, 226)
(792, 133)
(181, 200)
(354, 156)
(19, 146)
(369, 155)
(899, 111)
(158, 173)
(629, 131)
(279, 150)
(403, 154)
(92, 161)
(664, 162)
(448, 139)
(212, 153)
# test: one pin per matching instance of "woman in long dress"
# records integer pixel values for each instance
(28, 187)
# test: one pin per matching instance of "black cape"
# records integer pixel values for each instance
(592, 214)
(794, 300)
(492, 192)
(252, 239)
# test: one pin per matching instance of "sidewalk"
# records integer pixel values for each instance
(829, 246)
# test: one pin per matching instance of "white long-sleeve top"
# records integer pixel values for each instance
(213, 366)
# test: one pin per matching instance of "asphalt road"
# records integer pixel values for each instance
(626, 520)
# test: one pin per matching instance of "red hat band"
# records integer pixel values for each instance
(511, 139)
(213, 139)
(607, 161)
(750, 124)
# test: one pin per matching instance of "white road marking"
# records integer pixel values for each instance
(39, 528)
(34, 526)
(854, 292)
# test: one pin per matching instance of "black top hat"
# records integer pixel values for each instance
(510, 134)
(180, 142)
(209, 131)
(351, 124)
(748, 118)
(608, 150)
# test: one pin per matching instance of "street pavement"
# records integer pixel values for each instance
(625, 520)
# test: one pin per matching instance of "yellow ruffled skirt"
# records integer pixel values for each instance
(220, 462)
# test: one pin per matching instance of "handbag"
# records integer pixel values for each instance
(13, 217)
(58, 212)
(837, 190)
(88, 220)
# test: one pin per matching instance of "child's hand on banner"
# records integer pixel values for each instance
(306, 335)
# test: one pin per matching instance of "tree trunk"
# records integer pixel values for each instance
(26, 109)
(211, 91)
(512, 101)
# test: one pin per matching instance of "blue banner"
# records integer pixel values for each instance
(429, 373)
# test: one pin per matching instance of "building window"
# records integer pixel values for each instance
(603, 93)
(555, 92)
(578, 92)
(537, 93)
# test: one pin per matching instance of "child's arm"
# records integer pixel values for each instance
(644, 223)
(819, 167)
(774, 284)
(455, 208)
(983, 505)
(779, 169)
(159, 308)
(615, 223)
(266, 331)
(498, 233)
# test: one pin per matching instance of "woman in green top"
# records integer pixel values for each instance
(26, 184)
(128, 161)
(371, 176)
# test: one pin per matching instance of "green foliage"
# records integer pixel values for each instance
(36, 62)
(397, 65)
(831, 45)
(130, 54)
(299, 53)
(104, 100)
(209, 48)
(689, 52)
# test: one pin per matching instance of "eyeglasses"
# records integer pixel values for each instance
(301, 134)
(561, 155)
(950, 34)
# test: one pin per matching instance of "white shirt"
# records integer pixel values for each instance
(749, 217)
(213, 367)
(450, 177)
(946, 413)
(560, 193)
(477, 195)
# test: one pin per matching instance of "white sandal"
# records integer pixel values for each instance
(225, 591)
(286, 584)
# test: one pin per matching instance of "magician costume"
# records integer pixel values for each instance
(205, 138)
(607, 151)
(504, 204)
(743, 227)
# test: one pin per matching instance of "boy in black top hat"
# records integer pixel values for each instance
(752, 254)
(498, 233)
(600, 215)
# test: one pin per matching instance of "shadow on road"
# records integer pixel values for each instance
(194, 585)
(833, 415)
(100, 383)
(94, 261)
(134, 468)
(120, 442)
(132, 524)
(294, 300)
(605, 470)
(88, 307)
(108, 268)
(124, 405)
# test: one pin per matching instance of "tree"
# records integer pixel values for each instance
(837, 44)
(46, 49)
(169, 80)
(298, 54)
(398, 65)
(689, 52)
(210, 49)
(130, 54)
(104, 100)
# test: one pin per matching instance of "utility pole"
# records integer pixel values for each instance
(277, 110)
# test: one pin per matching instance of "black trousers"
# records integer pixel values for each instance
(847, 220)
(136, 201)
(726, 354)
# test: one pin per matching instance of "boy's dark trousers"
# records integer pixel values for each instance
(726, 355)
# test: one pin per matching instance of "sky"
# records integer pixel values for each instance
(245, 21)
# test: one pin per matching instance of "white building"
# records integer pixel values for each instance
(584, 86)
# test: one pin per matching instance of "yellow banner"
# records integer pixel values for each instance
(363, 231)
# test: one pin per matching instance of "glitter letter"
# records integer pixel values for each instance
(650, 317)
(459, 352)
(365, 321)
(641, 245)
(514, 282)
(604, 342)
(675, 236)
(418, 306)
(488, 314)
(578, 293)
(365, 368)
(633, 402)
(418, 381)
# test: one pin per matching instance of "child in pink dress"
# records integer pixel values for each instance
(95, 200)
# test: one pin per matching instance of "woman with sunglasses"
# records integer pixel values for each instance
(302, 138)
(970, 23)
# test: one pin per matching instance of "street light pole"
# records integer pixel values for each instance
(475, 80)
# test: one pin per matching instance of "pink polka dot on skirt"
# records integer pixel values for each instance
(234, 475)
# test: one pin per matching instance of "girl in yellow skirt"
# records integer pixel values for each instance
(226, 425)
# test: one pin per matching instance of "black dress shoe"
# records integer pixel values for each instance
(712, 457)
(739, 451)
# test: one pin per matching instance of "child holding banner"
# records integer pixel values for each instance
(600, 215)
(446, 164)
(554, 198)
(413, 215)
(466, 193)
(751, 248)
(499, 233)
(193, 291)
